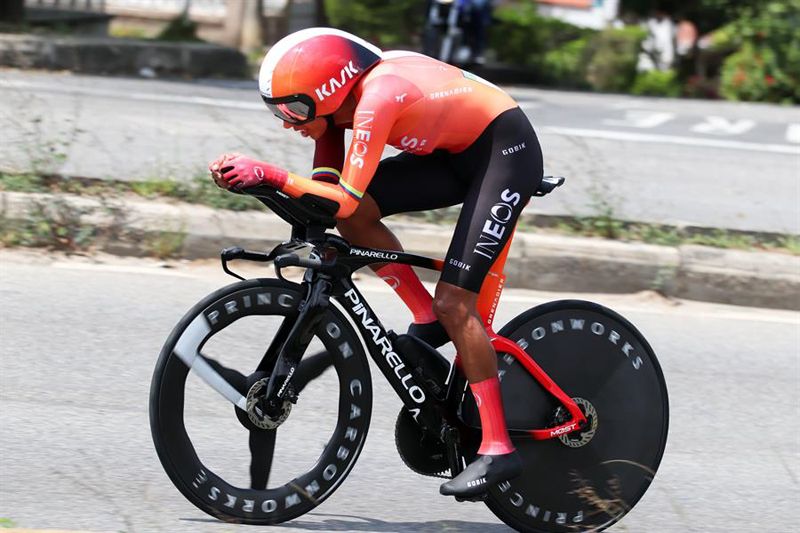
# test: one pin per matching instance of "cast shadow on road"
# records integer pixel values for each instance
(334, 522)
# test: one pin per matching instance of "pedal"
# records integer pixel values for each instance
(453, 447)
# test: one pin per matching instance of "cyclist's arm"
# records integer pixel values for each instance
(329, 155)
(372, 122)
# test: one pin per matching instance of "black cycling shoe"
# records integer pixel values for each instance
(484, 472)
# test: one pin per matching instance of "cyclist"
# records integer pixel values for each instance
(463, 140)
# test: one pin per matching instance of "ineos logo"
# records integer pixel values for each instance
(362, 132)
(495, 226)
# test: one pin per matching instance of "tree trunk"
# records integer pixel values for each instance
(252, 36)
(322, 15)
(234, 18)
(12, 11)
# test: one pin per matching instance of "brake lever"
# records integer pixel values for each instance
(237, 252)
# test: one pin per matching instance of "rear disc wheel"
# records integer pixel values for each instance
(590, 478)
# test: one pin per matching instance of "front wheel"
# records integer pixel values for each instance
(213, 438)
(588, 479)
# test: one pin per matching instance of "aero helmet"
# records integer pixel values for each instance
(308, 74)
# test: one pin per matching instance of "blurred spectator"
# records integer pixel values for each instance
(685, 37)
(456, 30)
(477, 21)
(659, 46)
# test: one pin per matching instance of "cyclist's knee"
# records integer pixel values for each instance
(453, 305)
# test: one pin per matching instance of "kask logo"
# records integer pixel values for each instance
(345, 75)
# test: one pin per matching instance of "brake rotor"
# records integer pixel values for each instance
(582, 436)
(260, 417)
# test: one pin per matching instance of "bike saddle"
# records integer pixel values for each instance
(549, 184)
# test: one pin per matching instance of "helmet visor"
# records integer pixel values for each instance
(294, 109)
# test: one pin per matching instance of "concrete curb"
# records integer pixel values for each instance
(544, 262)
(106, 55)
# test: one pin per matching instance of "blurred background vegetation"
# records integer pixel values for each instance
(747, 50)
(388, 24)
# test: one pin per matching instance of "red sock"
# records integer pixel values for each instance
(495, 439)
(409, 288)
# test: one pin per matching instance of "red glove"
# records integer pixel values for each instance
(235, 171)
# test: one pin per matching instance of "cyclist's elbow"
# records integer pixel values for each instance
(347, 207)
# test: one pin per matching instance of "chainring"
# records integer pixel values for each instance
(422, 454)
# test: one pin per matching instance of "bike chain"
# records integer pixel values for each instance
(418, 459)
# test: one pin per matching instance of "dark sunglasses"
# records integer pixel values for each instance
(295, 109)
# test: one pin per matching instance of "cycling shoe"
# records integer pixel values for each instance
(484, 472)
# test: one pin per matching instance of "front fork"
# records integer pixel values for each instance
(311, 310)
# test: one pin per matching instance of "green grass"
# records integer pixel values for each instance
(675, 236)
(22, 183)
(165, 244)
(7, 523)
(198, 190)
(201, 190)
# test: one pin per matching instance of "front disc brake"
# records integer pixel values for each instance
(258, 415)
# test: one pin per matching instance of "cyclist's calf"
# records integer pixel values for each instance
(456, 310)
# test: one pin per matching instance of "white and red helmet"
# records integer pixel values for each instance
(309, 73)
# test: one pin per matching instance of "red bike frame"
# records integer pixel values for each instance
(488, 299)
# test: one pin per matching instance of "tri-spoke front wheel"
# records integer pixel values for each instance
(224, 448)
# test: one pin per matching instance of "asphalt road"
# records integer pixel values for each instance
(704, 163)
(80, 338)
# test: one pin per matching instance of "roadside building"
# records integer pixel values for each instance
(595, 14)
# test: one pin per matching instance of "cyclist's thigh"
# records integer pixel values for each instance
(407, 182)
(506, 165)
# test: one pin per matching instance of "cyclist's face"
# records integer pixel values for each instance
(314, 129)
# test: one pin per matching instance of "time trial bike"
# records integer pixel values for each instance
(584, 395)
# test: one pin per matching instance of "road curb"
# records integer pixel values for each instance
(543, 262)
(107, 55)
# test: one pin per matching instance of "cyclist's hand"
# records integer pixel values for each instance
(216, 166)
(235, 171)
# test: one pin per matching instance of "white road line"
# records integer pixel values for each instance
(686, 308)
(793, 133)
(145, 97)
(641, 119)
(673, 139)
(121, 269)
(722, 126)
(573, 132)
